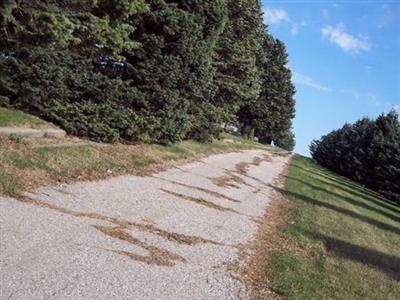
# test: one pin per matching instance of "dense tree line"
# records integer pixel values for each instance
(146, 70)
(367, 151)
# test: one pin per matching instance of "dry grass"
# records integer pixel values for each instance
(200, 189)
(156, 256)
(120, 229)
(200, 201)
(255, 272)
(28, 164)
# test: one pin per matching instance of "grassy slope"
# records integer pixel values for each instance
(343, 241)
(26, 164)
(19, 119)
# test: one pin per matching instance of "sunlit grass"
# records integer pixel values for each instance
(30, 164)
(10, 117)
(342, 242)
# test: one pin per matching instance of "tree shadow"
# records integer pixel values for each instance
(389, 264)
(330, 175)
(345, 211)
(353, 189)
(347, 199)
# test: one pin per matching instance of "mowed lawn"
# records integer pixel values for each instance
(342, 240)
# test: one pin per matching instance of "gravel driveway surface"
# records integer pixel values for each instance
(171, 235)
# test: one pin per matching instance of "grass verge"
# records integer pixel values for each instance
(339, 241)
(13, 118)
(27, 164)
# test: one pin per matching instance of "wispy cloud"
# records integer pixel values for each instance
(370, 98)
(346, 41)
(275, 16)
(296, 27)
(308, 81)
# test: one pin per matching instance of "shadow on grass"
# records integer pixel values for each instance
(347, 199)
(345, 211)
(353, 189)
(389, 264)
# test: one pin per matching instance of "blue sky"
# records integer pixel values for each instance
(345, 59)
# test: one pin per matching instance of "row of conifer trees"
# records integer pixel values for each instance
(367, 151)
(146, 70)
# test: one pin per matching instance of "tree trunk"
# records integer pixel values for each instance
(267, 140)
(247, 131)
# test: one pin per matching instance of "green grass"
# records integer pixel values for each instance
(31, 164)
(17, 118)
(343, 240)
(9, 185)
(143, 160)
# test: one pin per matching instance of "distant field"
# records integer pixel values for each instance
(342, 241)
(19, 119)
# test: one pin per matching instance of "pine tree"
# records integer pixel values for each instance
(367, 151)
(173, 67)
(277, 93)
(270, 115)
(48, 53)
(144, 70)
(238, 78)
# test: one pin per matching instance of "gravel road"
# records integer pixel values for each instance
(171, 235)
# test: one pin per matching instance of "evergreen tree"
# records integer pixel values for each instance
(48, 56)
(287, 141)
(367, 151)
(238, 78)
(278, 94)
(271, 114)
(145, 70)
(173, 67)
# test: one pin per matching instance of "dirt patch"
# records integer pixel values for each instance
(230, 180)
(224, 181)
(267, 157)
(172, 236)
(257, 161)
(200, 201)
(242, 168)
(156, 255)
(252, 267)
(200, 189)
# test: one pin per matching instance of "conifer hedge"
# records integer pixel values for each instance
(367, 151)
(145, 70)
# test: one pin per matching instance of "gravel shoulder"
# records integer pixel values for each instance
(171, 235)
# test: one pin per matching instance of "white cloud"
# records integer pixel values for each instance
(396, 107)
(369, 98)
(308, 81)
(344, 40)
(296, 27)
(275, 16)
